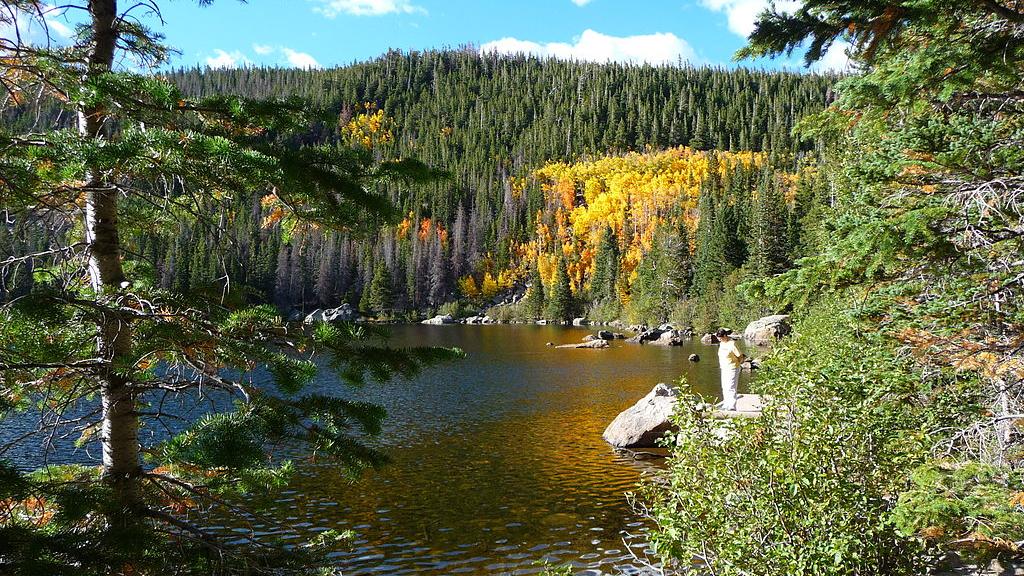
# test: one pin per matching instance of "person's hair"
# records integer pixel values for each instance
(723, 332)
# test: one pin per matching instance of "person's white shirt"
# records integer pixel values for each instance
(729, 356)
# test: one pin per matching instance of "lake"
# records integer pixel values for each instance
(497, 460)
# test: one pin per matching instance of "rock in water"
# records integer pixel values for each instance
(694, 358)
(650, 335)
(641, 425)
(580, 322)
(709, 339)
(587, 344)
(767, 330)
(670, 338)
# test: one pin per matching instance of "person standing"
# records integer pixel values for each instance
(729, 360)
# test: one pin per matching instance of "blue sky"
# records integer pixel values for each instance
(325, 33)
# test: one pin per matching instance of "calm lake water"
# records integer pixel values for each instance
(497, 462)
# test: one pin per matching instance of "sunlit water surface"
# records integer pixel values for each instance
(497, 462)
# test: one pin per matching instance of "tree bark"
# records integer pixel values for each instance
(120, 429)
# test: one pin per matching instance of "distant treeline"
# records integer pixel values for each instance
(490, 122)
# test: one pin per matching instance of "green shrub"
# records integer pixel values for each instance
(810, 487)
(457, 309)
(604, 310)
(506, 312)
(681, 314)
(973, 505)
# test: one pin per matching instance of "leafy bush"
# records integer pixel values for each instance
(455, 309)
(681, 314)
(604, 310)
(810, 487)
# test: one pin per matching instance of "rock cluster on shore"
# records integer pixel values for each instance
(439, 320)
(343, 313)
(664, 335)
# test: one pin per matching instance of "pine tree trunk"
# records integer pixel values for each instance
(120, 428)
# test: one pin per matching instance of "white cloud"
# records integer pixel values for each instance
(660, 48)
(56, 27)
(299, 59)
(331, 8)
(222, 59)
(581, 2)
(742, 14)
(35, 30)
(835, 59)
(286, 57)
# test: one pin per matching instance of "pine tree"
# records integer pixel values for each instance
(769, 229)
(606, 268)
(709, 261)
(379, 297)
(662, 277)
(147, 158)
(559, 306)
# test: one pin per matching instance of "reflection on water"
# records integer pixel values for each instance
(497, 461)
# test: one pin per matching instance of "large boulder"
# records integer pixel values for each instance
(439, 319)
(670, 338)
(709, 339)
(580, 322)
(646, 336)
(587, 344)
(642, 424)
(314, 317)
(765, 331)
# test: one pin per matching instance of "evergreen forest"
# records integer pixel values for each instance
(498, 126)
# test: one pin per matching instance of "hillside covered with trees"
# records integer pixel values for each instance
(493, 123)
